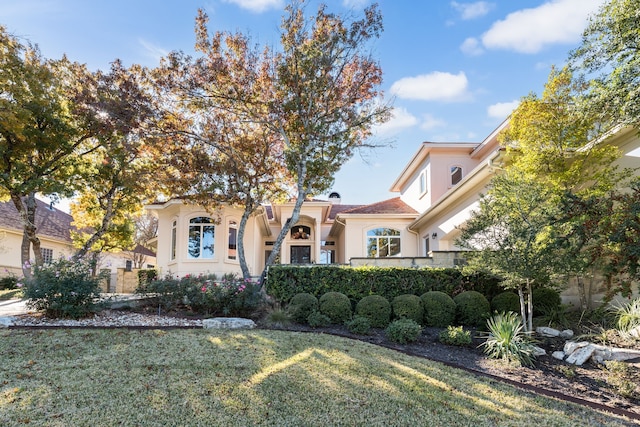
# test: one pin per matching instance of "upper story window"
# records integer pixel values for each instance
(233, 240)
(174, 236)
(383, 242)
(201, 238)
(456, 174)
(300, 232)
(423, 183)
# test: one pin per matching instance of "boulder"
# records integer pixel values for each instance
(571, 346)
(5, 322)
(537, 351)
(547, 332)
(566, 334)
(581, 355)
(558, 355)
(228, 323)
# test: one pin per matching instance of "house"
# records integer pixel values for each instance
(54, 228)
(438, 190)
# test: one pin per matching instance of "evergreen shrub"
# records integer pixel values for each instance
(336, 306)
(403, 331)
(301, 306)
(359, 325)
(472, 308)
(505, 302)
(545, 300)
(455, 335)
(318, 320)
(439, 309)
(375, 308)
(408, 307)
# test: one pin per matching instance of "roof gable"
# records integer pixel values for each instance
(50, 222)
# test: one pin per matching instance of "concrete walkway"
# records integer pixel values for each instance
(15, 307)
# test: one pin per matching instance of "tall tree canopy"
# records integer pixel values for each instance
(307, 106)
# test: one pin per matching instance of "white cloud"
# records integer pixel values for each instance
(429, 122)
(400, 119)
(472, 10)
(531, 30)
(152, 50)
(472, 47)
(501, 110)
(436, 86)
(257, 6)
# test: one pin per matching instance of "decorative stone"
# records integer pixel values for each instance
(581, 355)
(547, 332)
(566, 334)
(5, 322)
(558, 355)
(571, 346)
(228, 323)
(635, 332)
(537, 351)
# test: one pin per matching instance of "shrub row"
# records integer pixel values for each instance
(433, 308)
(284, 281)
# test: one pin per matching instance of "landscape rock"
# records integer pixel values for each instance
(537, 351)
(571, 346)
(547, 332)
(581, 355)
(228, 323)
(5, 322)
(566, 334)
(635, 332)
(558, 355)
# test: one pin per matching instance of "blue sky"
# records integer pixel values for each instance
(454, 69)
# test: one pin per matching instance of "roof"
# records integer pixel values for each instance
(50, 222)
(390, 206)
(139, 249)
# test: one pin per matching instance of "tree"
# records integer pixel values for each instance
(315, 99)
(40, 139)
(609, 50)
(509, 235)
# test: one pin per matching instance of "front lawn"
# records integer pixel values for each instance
(7, 294)
(227, 378)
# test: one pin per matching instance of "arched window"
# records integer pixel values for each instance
(383, 242)
(233, 240)
(201, 238)
(456, 174)
(300, 232)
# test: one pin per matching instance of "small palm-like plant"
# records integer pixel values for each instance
(507, 340)
(628, 316)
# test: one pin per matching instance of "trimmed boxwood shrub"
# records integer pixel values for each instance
(403, 331)
(439, 309)
(375, 308)
(301, 306)
(318, 320)
(336, 306)
(544, 300)
(505, 302)
(408, 307)
(359, 325)
(472, 308)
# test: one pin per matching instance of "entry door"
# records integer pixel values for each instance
(300, 254)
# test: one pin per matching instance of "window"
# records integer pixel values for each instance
(201, 235)
(427, 245)
(423, 183)
(173, 239)
(233, 240)
(128, 265)
(383, 242)
(456, 174)
(327, 253)
(47, 255)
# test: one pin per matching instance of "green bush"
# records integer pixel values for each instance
(63, 288)
(506, 301)
(628, 316)
(403, 331)
(206, 294)
(506, 339)
(318, 320)
(284, 281)
(545, 300)
(375, 308)
(408, 307)
(472, 308)
(455, 336)
(301, 306)
(8, 282)
(146, 276)
(359, 325)
(336, 306)
(439, 309)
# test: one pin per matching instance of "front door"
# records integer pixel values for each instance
(300, 254)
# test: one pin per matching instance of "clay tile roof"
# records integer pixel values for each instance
(390, 206)
(338, 209)
(52, 223)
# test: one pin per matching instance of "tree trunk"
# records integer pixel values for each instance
(530, 306)
(523, 307)
(27, 210)
(107, 219)
(246, 274)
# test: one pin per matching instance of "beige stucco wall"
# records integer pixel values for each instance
(355, 235)
(10, 249)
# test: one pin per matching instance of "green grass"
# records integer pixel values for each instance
(229, 378)
(7, 294)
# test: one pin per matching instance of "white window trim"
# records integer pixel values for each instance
(216, 230)
(423, 180)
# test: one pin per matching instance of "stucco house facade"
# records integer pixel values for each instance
(438, 190)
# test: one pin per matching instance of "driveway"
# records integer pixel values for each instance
(13, 307)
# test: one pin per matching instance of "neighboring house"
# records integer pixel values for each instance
(439, 188)
(54, 231)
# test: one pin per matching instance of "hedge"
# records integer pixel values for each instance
(284, 281)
